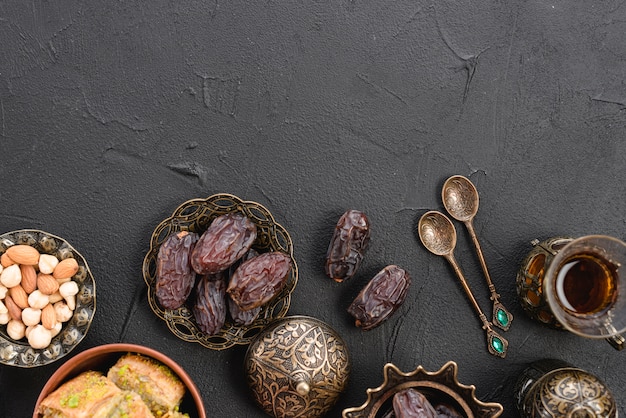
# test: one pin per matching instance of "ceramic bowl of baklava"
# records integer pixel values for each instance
(120, 380)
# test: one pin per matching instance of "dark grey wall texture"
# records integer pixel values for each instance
(112, 113)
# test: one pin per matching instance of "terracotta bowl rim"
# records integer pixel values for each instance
(59, 376)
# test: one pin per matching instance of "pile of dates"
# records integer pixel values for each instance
(385, 292)
(219, 273)
(410, 403)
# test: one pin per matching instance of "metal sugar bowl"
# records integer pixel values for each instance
(297, 367)
(553, 388)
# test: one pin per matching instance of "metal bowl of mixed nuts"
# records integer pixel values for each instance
(47, 298)
(219, 270)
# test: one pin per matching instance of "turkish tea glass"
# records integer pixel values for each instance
(584, 286)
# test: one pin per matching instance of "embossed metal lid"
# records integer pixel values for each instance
(298, 366)
(569, 392)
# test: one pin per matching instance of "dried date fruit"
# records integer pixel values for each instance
(174, 276)
(225, 241)
(241, 317)
(209, 308)
(409, 403)
(258, 280)
(348, 245)
(446, 411)
(380, 298)
(238, 315)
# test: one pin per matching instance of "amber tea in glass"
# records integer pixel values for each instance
(583, 286)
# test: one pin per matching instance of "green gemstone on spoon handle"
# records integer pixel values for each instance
(439, 237)
(496, 344)
(460, 199)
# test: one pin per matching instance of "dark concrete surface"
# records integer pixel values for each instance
(113, 113)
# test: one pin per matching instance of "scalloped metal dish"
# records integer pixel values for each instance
(442, 386)
(195, 215)
(19, 353)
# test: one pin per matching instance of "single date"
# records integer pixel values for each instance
(348, 245)
(380, 298)
(259, 280)
(174, 275)
(225, 241)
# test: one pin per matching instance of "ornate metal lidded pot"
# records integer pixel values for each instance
(298, 366)
(553, 388)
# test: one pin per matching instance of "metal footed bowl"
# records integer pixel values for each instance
(438, 387)
(20, 353)
(195, 216)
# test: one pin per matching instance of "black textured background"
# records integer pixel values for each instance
(112, 113)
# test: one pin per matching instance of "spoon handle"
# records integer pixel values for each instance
(496, 344)
(502, 318)
(466, 288)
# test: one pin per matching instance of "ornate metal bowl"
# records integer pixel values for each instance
(438, 387)
(298, 367)
(195, 216)
(20, 353)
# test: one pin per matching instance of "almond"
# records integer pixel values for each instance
(66, 268)
(23, 254)
(29, 278)
(46, 284)
(6, 261)
(48, 316)
(14, 311)
(19, 296)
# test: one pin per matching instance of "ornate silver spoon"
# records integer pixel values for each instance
(439, 237)
(460, 199)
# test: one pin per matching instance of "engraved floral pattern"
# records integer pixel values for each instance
(295, 350)
(570, 393)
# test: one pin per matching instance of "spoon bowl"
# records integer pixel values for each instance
(460, 198)
(437, 233)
